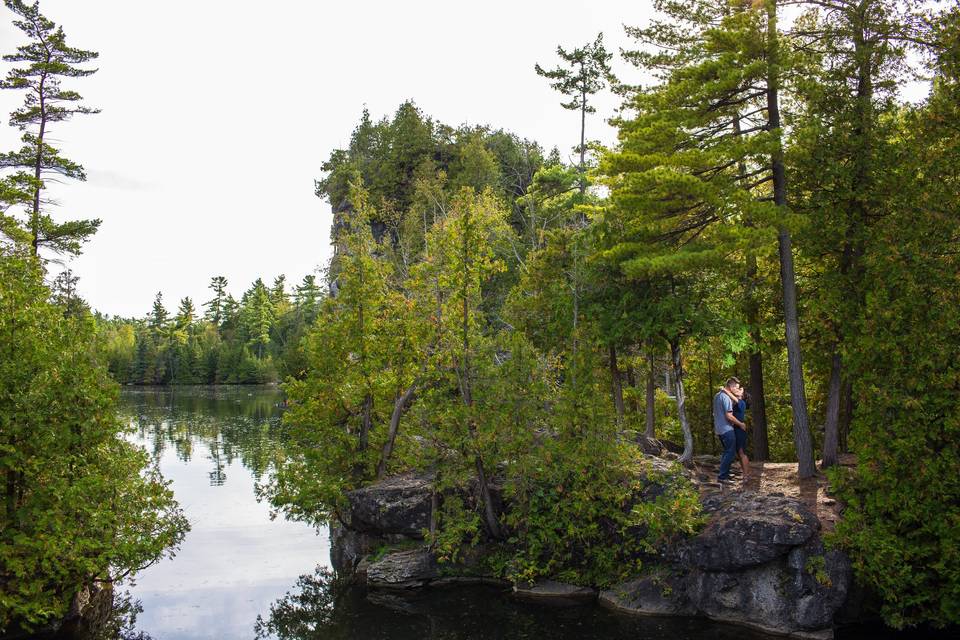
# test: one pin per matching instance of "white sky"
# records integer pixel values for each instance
(217, 115)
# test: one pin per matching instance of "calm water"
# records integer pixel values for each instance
(214, 444)
(241, 575)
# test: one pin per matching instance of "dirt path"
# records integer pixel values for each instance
(776, 478)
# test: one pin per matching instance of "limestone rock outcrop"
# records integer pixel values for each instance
(759, 561)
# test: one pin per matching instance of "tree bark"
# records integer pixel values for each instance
(831, 425)
(490, 515)
(846, 414)
(798, 396)
(758, 402)
(758, 406)
(583, 142)
(617, 385)
(38, 169)
(677, 359)
(651, 398)
(398, 407)
(366, 421)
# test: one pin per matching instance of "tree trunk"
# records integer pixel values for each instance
(758, 402)
(366, 421)
(831, 425)
(846, 413)
(38, 170)
(489, 513)
(398, 407)
(583, 142)
(631, 375)
(758, 406)
(798, 396)
(617, 385)
(651, 397)
(677, 359)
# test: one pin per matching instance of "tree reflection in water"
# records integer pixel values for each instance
(323, 607)
(231, 422)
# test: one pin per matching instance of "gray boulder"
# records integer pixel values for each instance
(747, 530)
(348, 547)
(402, 569)
(797, 594)
(658, 592)
(396, 505)
(759, 562)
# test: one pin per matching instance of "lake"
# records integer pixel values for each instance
(241, 574)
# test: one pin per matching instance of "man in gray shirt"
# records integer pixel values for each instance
(723, 423)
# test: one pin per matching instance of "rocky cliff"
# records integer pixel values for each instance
(759, 561)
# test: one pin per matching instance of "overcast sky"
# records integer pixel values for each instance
(217, 115)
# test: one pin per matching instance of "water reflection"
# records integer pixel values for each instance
(214, 444)
(231, 422)
(321, 607)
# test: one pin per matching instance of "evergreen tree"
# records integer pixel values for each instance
(307, 297)
(257, 317)
(215, 306)
(64, 290)
(158, 315)
(708, 139)
(842, 147)
(585, 72)
(278, 293)
(186, 314)
(49, 60)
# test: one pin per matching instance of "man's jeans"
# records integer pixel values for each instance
(729, 441)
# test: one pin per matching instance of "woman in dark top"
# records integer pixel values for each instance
(740, 412)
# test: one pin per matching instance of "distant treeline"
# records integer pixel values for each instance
(257, 339)
(250, 341)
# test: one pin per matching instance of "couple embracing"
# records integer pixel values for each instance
(729, 413)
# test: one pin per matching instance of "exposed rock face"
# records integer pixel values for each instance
(348, 547)
(403, 569)
(758, 562)
(746, 530)
(398, 505)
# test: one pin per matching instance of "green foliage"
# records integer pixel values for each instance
(902, 521)
(584, 73)
(80, 503)
(580, 518)
(409, 164)
(498, 402)
(48, 61)
(357, 359)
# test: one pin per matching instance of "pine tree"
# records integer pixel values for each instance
(843, 145)
(158, 315)
(215, 306)
(308, 294)
(708, 140)
(585, 72)
(185, 314)
(49, 60)
(257, 313)
(64, 290)
(278, 293)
